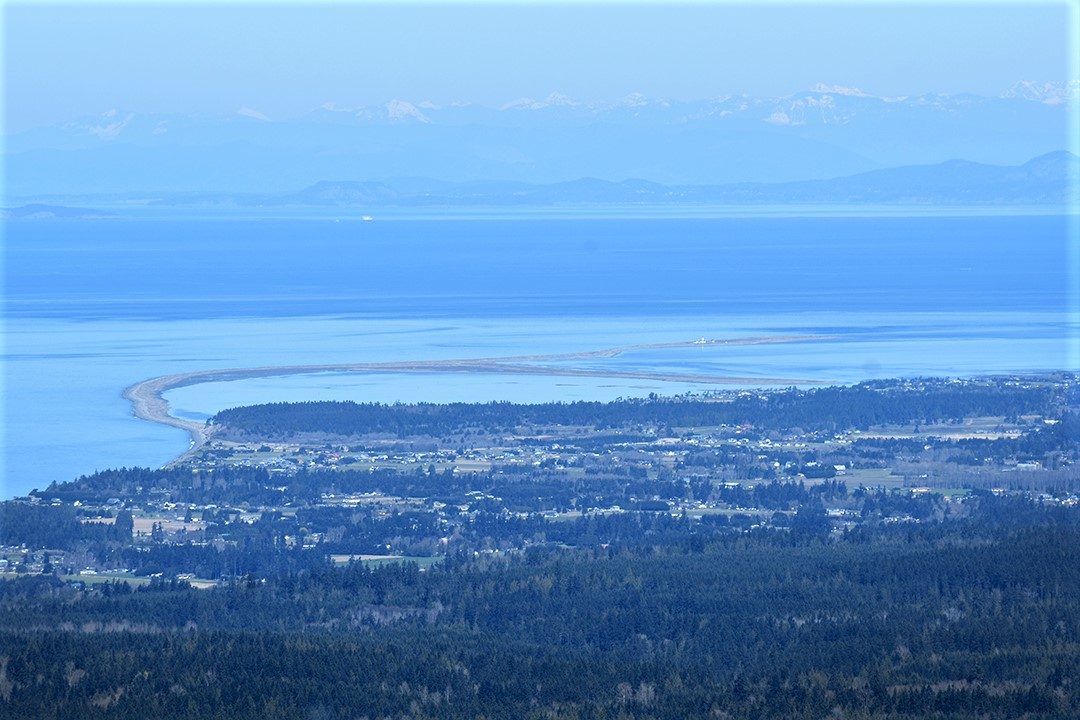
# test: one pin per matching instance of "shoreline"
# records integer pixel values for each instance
(148, 401)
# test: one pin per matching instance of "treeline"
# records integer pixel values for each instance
(831, 409)
(520, 488)
(204, 487)
(974, 619)
(1061, 436)
(58, 527)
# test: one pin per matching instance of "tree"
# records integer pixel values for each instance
(123, 527)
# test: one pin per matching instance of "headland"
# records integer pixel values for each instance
(148, 397)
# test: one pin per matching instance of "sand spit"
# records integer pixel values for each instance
(148, 397)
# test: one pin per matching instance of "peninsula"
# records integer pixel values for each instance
(148, 397)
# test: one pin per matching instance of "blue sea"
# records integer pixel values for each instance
(93, 306)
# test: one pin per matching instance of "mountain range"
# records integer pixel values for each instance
(1048, 180)
(825, 133)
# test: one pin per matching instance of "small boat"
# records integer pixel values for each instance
(367, 218)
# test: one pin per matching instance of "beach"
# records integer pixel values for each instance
(148, 397)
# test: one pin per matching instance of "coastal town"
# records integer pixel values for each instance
(500, 478)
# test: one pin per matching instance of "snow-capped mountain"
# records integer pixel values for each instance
(1046, 93)
(828, 131)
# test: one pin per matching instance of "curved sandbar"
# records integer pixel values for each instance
(148, 397)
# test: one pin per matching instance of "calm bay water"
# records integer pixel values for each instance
(94, 306)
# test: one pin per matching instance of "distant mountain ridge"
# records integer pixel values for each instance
(40, 211)
(826, 132)
(1052, 179)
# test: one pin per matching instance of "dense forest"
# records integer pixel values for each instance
(831, 408)
(975, 619)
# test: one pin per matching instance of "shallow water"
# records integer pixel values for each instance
(92, 307)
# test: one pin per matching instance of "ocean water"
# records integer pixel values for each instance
(91, 307)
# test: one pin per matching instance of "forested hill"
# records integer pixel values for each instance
(830, 409)
(978, 621)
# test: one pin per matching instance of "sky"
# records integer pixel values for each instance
(62, 61)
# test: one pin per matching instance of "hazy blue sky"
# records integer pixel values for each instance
(61, 61)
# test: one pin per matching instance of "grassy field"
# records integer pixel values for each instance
(424, 562)
(105, 577)
(986, 428)
(760, 512)
(871, 477)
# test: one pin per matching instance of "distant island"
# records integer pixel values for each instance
(40, 211)
(1048, 181)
